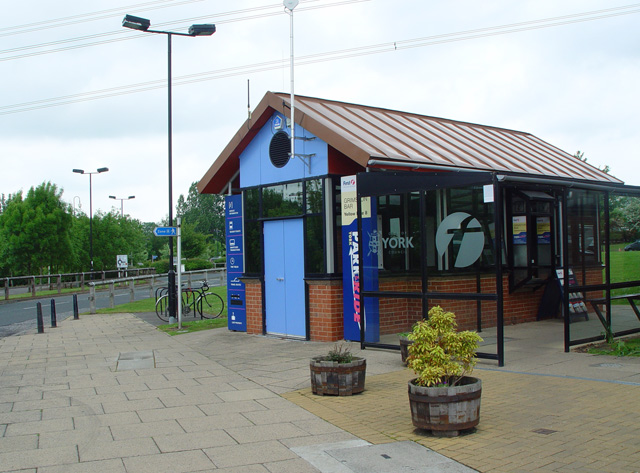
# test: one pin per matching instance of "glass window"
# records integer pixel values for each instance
(284, 200)
(314, 257)
(337, 215)
(413, 231)
(251, 204)
(252, 247)
(583, 212)
(471, 244)
(314, 196)
(392, 232)
(252, 232)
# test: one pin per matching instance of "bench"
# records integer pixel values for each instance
(631, 298)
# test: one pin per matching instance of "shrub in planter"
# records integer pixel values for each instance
(338, 373)
(404, 346)
(443, 398)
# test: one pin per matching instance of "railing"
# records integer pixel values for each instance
(214, 277)
(58, 282)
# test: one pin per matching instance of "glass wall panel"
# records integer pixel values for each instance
(465, 230)
(585, 266)
(252, 247)
(284, 200)
(251, 204)
(337, 215)
(253, 232)
(392, 232)
(457, 229)
(315, 254)
(314, 196)
(625, 260)
(584, 210)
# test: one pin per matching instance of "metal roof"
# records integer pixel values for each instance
(377, 137)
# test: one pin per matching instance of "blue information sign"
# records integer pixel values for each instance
(352, 247)
(237, 314)
(165, 231)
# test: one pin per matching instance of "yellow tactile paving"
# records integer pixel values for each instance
(596, 425)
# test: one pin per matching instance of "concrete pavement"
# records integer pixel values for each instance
(110, 393)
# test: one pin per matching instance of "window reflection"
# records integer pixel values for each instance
(283, 200)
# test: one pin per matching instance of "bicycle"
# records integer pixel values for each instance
(208, 305)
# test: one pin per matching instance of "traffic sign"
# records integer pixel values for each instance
(123, 261)
(165, 231)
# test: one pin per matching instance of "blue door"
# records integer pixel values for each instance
(284, 277)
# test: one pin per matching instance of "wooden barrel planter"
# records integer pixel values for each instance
(404, 348)
(446, 411)
(337, 379)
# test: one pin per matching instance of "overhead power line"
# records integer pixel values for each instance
(321, 57)
(84, 17)
(112, 13)
(126, 35)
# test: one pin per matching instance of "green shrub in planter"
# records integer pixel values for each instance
(440, 355)
(338, 373)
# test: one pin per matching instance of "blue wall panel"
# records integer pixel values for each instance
(255, 165)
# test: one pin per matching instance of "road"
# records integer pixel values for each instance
(19, 316)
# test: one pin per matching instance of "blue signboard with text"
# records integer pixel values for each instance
(352, 247)
(236, 307)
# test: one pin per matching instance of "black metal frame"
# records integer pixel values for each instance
(383, 183)
(377, 184)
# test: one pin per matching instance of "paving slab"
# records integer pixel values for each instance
(396, 457)
(233, 402)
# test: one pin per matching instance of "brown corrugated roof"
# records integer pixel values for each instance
(365, 134)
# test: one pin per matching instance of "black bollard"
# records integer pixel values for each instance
(39, 317)
(75, 307)
(53, 313)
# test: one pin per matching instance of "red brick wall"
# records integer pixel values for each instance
(398, 314)
(253, 304)
(325, 310)
(592, 276)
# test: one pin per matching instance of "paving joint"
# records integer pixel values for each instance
(80, 398)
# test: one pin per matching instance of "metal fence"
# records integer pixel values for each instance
(36, 285)
(57, 282)
(213, 277)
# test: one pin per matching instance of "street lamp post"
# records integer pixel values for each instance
(122, 202)
(142, 24)
(98, 171)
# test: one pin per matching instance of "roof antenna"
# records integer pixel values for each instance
(248, 102)
(290, 5)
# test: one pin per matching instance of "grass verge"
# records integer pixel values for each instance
(194, 326)
(143, 305)
(624, 347)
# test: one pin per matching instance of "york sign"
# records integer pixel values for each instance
(397, 242)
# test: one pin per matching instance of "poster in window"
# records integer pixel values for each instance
(543, 230)
(519, 230)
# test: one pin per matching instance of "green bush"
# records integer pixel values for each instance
(196, 264)
(440, 355)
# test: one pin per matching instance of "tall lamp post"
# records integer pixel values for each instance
(82, 171)
(122, 202)
(142, 24)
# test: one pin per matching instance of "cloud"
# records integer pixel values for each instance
(574, 86)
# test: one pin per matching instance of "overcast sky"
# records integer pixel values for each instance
(574, 84)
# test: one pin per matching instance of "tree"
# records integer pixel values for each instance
(113, 235)
(580, 155)
(194, 244)
(205, 212)
(624, 212)
(157, 247)
(36, 231)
